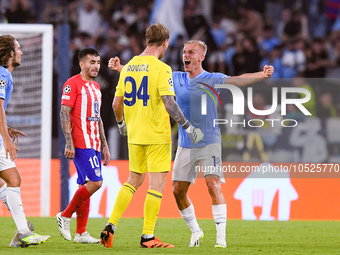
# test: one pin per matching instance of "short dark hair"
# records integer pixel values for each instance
(87, 51)
(6, 47)
(156, 34)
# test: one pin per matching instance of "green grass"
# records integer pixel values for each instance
(243, 237)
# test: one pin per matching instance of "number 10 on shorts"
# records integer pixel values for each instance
(94, 161)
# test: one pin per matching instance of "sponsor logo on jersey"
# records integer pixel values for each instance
(96, 107)
(65, 97)
(93, 118)
(67, 89)
(2, 83)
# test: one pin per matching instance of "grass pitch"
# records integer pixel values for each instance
(243, 237)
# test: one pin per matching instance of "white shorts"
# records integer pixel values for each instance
(216, 57)
(5, 163)
(187, 163)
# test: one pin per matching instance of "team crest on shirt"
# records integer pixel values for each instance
(2, 83)
(97, 172)
(96, 107)
(67, 89)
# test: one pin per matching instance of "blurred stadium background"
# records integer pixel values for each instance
(301, 39)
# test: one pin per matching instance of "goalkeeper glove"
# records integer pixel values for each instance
(122, 127)
(195, 134)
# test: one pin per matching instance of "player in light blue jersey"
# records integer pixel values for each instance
(189, 87)
(10, 57)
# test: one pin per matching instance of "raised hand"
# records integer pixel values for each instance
(268, 71)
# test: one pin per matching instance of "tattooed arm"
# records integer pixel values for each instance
(195, 134)
(105, 151)
(66, 126)
(174, 111)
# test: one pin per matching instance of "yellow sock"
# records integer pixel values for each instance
(122, 201)
(151, 209)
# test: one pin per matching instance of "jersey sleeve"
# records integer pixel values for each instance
(165, 82)
(69, 93)
(120, 87)
(219, 78)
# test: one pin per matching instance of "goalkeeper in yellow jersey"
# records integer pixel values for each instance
(143, 101)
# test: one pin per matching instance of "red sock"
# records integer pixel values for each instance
(77, 201)
(82, 216)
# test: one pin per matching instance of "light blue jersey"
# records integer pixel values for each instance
(6, 88)
(188, 97)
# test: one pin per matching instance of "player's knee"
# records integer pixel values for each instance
(178, 192)
(97, 184)
(14, 182)
(214, 187)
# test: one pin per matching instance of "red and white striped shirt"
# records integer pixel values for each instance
(85, 99)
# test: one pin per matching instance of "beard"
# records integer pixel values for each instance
(15, 63)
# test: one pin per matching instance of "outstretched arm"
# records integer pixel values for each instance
(66, 127)
(250, 78)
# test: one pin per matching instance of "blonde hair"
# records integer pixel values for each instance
(156, 34)
(200, 43)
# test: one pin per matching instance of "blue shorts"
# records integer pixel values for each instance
(88, 164)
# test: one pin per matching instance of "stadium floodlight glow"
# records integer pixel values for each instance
(30, 107)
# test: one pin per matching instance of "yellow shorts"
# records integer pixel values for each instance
(150, 158)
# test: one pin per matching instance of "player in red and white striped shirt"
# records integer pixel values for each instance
(84, 134)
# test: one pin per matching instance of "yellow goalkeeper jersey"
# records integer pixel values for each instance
(142, 82)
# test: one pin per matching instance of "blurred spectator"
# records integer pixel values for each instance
(19, 11)
(82, 40)
(294, 113)
(101, 46)
(274, 58)
(112, 48)
(127, 13)
(326, 107)
(269, 40)
(317, 60)
(217, 56)
(297, 27)
(332, 12)
(286, 16)
(316, 18)
(251, 22)
(303, 83)
(123, 48)
(196, 25)
(228, 23)
(140, 23)
(173, 55)
(52, 13)
(86, 14)
(135, 45)
(247, 57)
(293, 60)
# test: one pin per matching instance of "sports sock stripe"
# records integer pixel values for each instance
(155, 195)
(131, 188)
